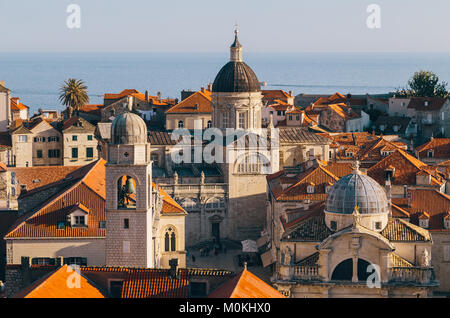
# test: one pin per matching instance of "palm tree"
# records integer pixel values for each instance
(73, 94)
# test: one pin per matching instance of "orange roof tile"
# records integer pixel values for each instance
(56, 286)
(36, 177)
(17, 105)
(155, 283)
(246, 285)
(440, 147)
(199, 102)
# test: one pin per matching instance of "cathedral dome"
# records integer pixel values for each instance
(236, 76)
(357, 189)
(128, 128)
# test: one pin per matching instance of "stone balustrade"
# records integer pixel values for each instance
(306, 271)
(422, 275)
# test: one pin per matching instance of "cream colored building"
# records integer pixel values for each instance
(47, 144)
(350, 247)
(79, 143)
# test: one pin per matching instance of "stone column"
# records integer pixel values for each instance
(355, 269)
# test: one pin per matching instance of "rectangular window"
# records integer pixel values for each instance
(378, 225)
(74, 138)
(39, 153)
(447, 253)
(102, 225)
(89, 137)
(42, 261)
(74, 152)
(290, 117)
(225, 120)
(89, 152)
(53, 153)
(279, 113)
(53, 138)
(242, 120)
(22, 138)
(81, 261)
(126, 223)
(79, 220)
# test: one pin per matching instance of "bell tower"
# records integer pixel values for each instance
(129, 199)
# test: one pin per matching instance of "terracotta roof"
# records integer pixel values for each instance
(135, 93)
(17, 105)
(272, 94)
(160, 138)
(92, 108)
(398, 261)
(246, 285)
(398, 230)
(155, 283)
(398, 212)
(434, 103)
(84, 187)
(43, 221)
(56, 285)
(36, 177)
(434, 203)
(72, 120)
(440, 147)
(208, 272)
(309, 260)
(299, 135)
(314, 229)
(287, 185)
(406, 169)
(199, 102)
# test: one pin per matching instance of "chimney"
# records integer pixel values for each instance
(130, 103)
(173, 263)
(2, 83)
(202, 89)
(146, 96)
(159, 95)
(210, 87)
(302, 117)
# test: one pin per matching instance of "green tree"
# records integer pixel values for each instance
(73, 95)
(424, 84)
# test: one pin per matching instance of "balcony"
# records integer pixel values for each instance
(306, 272)
(416, 275)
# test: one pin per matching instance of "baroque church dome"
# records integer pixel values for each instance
(236, 76)
(359, 190)
(128, 128)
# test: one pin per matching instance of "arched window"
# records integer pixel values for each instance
(180, 124)
(254, 163)
(189, 204)
(170, 240)
(215, 203)
(126, 193)
(209, 124)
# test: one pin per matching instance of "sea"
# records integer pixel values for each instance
(37, 77)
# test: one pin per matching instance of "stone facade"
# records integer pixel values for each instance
(79, 136)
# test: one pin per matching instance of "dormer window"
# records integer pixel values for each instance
(424, 220)
(78, 216)
(348, 154)
(327, 188)
(310, 189)
(425, 103)
(430, 153)
(447, 223)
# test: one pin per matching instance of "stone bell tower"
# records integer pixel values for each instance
(129, 202)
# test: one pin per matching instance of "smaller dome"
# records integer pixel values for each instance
(128, 128)
(357, 189)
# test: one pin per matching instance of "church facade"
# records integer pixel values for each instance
(351, 246)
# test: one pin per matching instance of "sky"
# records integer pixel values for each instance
(207, 26)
